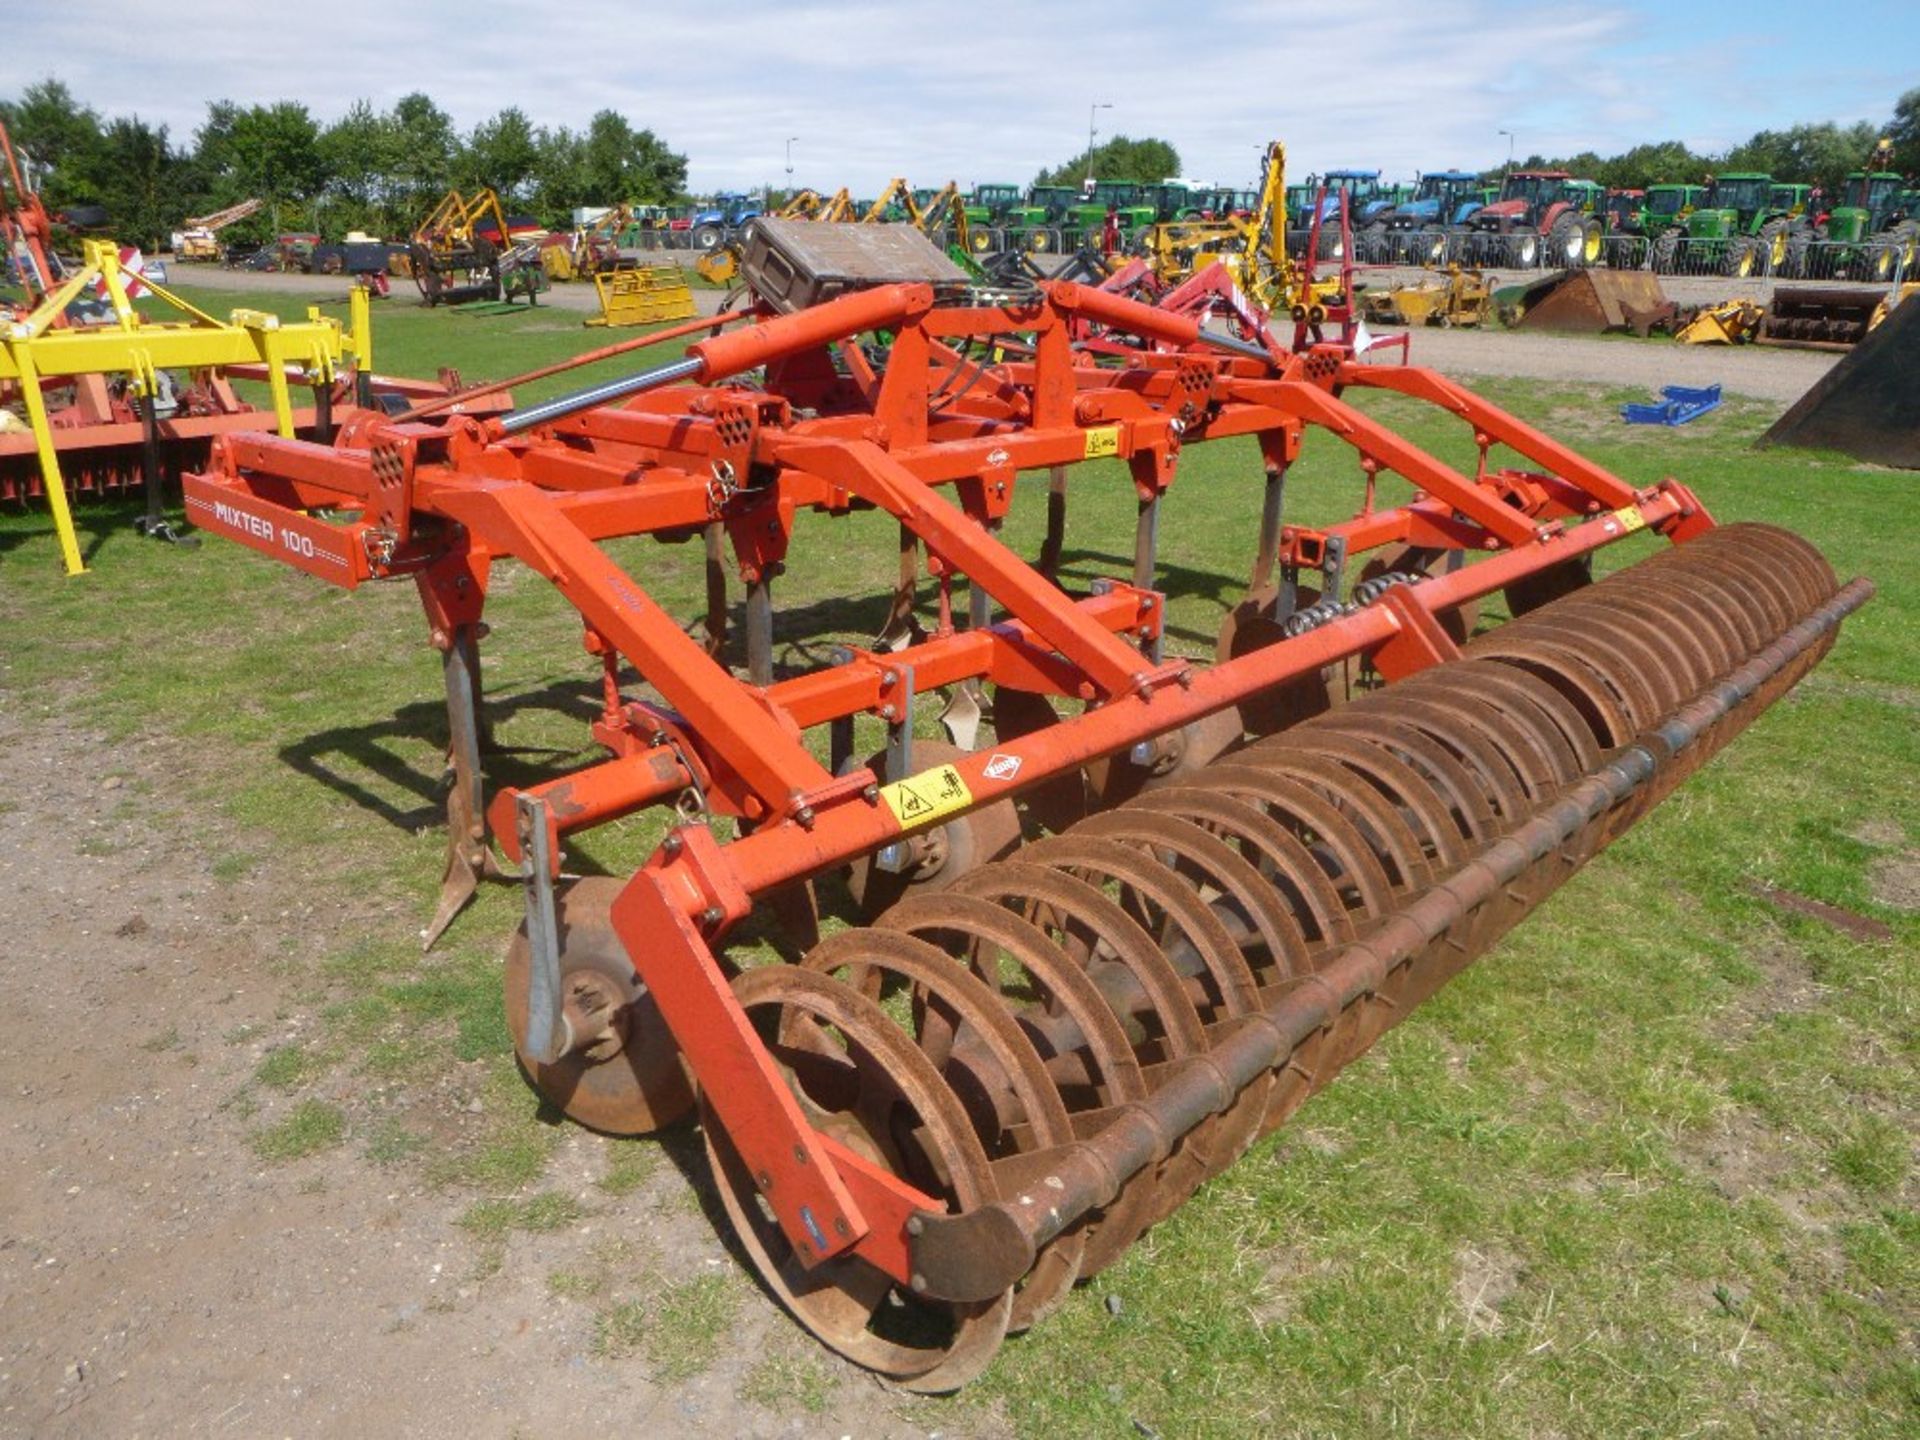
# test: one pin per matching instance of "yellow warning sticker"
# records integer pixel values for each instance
(1629, 518)
(929, 796)
(1103, 441)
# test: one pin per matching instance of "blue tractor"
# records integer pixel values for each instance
(719, 222)
(1365, 200)
(1416, 231)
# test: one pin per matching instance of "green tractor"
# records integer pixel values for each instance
(988, 208)
(1733, 229)
(1877, 224)
(1037, 225)
(1634, 224)
(1088, 213)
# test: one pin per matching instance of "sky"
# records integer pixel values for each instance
(982, 90)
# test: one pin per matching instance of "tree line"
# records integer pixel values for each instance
(373, 170)
(382, 170)
(1810, 154)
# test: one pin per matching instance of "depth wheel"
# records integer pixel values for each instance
(863, 1082)
(625, 1076)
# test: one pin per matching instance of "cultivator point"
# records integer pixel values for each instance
(1168, 900)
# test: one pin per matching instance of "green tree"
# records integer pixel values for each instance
(558, 183)
(267, 151)
(1904, 131)
(621, 163)
(55, 134)
(1811, 154)
(502, 153)
(133, 173)
(359, 156)
(424, 149)
(1120, 158)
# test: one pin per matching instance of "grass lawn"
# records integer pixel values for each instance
(1646, 1169)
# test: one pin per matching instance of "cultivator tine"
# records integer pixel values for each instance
(759, 609)
(1056, 537)
(902, 627)
(716, 574)
(154, 524)
(469, 859)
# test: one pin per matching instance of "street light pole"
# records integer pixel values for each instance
(1509, 170)
(1092, 111)
(790, 140)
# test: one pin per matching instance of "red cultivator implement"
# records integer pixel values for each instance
(1167, 902)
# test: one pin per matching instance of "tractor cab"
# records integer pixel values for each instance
(1794, 200)
(995, 200)
(1526, 196)
(1667, 204)
(1624, 212)
(1366, 198)
(1053, 201)
(1869, 202)
(1732, 205)
(1442, 198)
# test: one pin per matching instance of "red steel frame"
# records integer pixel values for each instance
(442, 501)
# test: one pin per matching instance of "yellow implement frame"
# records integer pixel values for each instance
(37, 349)
(644, 295)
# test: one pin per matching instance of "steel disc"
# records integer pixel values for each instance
(633, 1082)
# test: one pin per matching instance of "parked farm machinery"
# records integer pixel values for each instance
(1735, 227)
(456, 251)
(1108, 948)
(198, 236)
(1539, 217)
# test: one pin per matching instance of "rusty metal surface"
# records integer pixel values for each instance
(1596, 301)
(1868, 405)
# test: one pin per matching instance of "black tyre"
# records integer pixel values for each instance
(1799, 252)
(1522, 252)
(1772, 248)
(1666, 253)
(708, 237)
(1738, 260)
(1567, 242)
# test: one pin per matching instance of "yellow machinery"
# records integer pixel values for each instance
(453, 257)
(196, 240)
(644, 295)
(1463, 298)
(118, 375)
(1252, 247)
(1731, 322)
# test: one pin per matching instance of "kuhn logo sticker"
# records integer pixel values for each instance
(1002, 767)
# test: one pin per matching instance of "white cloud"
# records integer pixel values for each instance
(988, 90)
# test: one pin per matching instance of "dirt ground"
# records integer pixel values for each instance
(1763, 373)
(160, 1279)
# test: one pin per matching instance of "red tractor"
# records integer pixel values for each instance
(1540, 215)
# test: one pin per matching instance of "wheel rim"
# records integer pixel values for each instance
(859, 1079)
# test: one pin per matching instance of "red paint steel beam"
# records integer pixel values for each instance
(865, 470)
(776, 855)
(1609, 489)
(730, 718)
(1377, 442)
